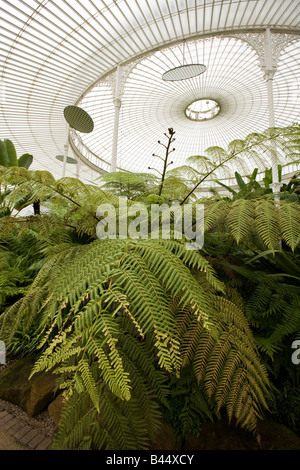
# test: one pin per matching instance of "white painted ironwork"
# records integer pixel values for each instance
(54, 50)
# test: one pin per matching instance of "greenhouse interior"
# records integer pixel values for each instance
(150, 226)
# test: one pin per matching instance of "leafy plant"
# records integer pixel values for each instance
(130, 185)
(8, 155)
(266, 282)
(8, 158)
(97, 308)
(139, 331)
(248, 190)
(275, 144)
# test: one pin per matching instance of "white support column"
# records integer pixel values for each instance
(66, 148)
(78, 164)
(269, 72)
(118, 104)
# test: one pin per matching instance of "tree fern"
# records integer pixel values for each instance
(118, 320)
(240, 218)
(267, 224)
(119, 424)
(272, 300)
(111, 298)
(266, 220)
(215, 212)
(227, 361)
(275, 144)
(289, 221)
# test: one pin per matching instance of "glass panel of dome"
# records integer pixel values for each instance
(67, 63)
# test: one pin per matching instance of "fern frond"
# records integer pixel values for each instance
(89, 382)
(240, 219)
(289, 221)
(214, 213)
(267, 224)
(229, 365)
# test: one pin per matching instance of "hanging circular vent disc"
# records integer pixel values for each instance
(78, 119)
(69, 159)
(183, 72)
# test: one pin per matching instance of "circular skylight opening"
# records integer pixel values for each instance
(202, 110)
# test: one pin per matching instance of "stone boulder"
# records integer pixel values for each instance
(31, 395)
(55, 409)
(222, 436)
(277, 436)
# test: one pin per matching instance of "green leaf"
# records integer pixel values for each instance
(279, 172)
(4, 160)
(11, 152)
(239, 180)
(25, 160)
(267, 224)
(289, 220)
(253, 176)
(240, 219)
(89, 382)
(227, 187)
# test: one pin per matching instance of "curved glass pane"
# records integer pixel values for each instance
(54, 50)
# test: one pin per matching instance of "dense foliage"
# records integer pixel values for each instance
(141, 331)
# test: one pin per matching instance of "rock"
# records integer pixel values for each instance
(55, 409)
(166, 440)
(276, 436)
(31, 395)
(222, 436)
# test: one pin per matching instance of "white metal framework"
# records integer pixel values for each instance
(109, 57)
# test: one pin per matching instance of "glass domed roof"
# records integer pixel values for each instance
(57, 53)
